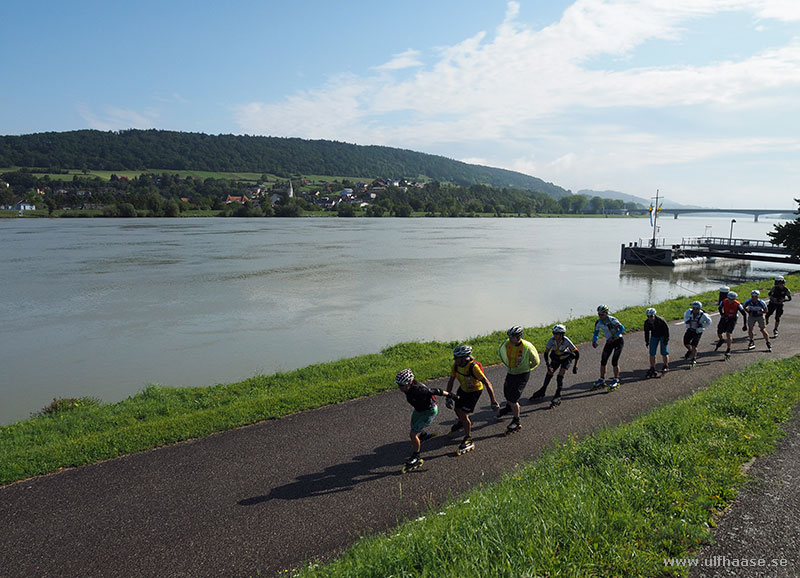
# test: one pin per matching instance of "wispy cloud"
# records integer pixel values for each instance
(114, 118)
(407, 59)
(528, 86)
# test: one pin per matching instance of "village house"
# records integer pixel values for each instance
(236, 199)
(19, 206)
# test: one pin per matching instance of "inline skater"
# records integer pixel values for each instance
(729, 310)
(756, 308)
(656, 333)
(613, 330)
(723, 294)
(696, 321)
(423, 399)
(778, 295)
(471, 381)
(561, 351)
(520, 357)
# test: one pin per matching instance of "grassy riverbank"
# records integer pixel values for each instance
(620, 503)
(78, 432)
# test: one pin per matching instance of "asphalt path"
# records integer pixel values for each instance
(759, 535)
(267, 497)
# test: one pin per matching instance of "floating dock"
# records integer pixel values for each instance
(660, 253)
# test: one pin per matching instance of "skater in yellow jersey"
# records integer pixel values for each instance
(471, 381)
(520, 357)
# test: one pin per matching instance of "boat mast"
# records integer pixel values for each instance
(655, 220)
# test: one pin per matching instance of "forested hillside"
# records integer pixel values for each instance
(138, 150)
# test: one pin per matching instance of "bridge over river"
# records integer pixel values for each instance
(755, 212)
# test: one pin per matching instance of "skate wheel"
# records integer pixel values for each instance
(416, 466)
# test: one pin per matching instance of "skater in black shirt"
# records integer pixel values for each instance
(656, 333)
(423, 399)
(777, 296)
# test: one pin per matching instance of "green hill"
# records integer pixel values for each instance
(139, 150)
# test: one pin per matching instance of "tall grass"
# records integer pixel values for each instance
(88, 432)
(620, 503)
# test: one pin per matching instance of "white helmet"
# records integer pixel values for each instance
(732, 295)
(780, 279)
(650, 311)
(462, 351)
(559, 329)
(404, 377)
(724, 289)
(697, 305)
(755, 293)
(515, 331)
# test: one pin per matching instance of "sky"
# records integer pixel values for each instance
(698, 99)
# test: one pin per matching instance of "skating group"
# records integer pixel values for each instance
(520, 357)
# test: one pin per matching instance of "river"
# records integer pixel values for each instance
(103, 307)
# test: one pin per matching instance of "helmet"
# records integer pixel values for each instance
(724, 289)
(755, 293)
(404, 377)
(602, 308)
(462, 351)
(559, 329)
(697, 305)
(515, 331)
(780, 279)
(732, 294)
(650, 311)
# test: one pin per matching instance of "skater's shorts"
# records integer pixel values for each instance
(776, 308)
(663, 341)
(514, 384)
(423, 419)
(691, 337)
(726, 325)
(612, 346)
(557, 363)
(752, 321)
(467, 400)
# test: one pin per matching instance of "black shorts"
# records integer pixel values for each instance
(514, 384)
(557, 363)
(691, 337)
(467, 400)
(614, 346)
(726, 325)
(776, 308)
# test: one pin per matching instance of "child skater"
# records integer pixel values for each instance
(423, 399)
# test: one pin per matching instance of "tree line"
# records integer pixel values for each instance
(169, 195)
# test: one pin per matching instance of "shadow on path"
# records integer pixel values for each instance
(339, 477)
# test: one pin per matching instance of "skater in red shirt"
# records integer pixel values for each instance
(729, 310)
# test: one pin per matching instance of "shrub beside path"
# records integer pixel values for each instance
(268, 496)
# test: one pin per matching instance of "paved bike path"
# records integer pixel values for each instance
(267, 497)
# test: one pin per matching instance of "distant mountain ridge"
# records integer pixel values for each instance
(170, 150)
(634, 199)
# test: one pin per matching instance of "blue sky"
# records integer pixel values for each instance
(697, 98)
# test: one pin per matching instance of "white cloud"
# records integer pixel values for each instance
(535, 100)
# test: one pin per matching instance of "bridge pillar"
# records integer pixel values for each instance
(676, 216)
(755, 218)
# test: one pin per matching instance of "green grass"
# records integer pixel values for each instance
(79, 434)
(619, 503)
